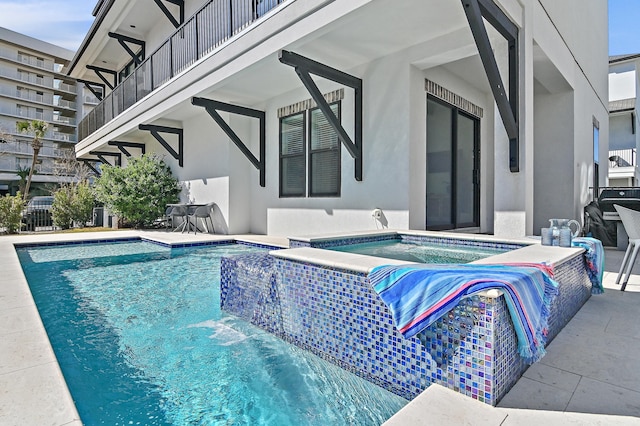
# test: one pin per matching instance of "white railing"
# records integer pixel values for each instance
(622, 158)
(45, 64)
(57, 84)
(64, 103)
(66, 137)
(27, 77)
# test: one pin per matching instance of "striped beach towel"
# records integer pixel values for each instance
(594, 260)
(418, 295)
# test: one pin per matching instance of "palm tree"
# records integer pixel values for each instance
(22, 174)
(37, 129)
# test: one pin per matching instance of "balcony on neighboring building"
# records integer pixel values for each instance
(214, 24)
(37, 79)
(623, 168)
(22, 148)
(37, 114)
(47, 99)
(36, 62)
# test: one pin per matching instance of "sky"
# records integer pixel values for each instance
(65, 22)
(624, 27)
(60, 22)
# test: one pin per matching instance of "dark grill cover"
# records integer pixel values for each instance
(626, 197)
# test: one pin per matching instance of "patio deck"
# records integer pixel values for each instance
(589, 375)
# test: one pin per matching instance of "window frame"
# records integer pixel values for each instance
(282, 156)
(307, 154)
(312, 151)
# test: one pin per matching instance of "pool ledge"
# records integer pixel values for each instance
(334, 259)
(534, 253)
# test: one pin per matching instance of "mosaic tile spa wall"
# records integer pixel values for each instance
(336, 315)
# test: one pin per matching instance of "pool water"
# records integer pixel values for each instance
(421, 253)
(141, 340)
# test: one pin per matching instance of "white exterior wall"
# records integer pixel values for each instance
(562, 89)
(622, 81)
(574, 94)
(385, 146)
(620, 134)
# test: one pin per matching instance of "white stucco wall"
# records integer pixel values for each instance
(620, 131)
(385, 185)
(622, 81)
(562, 88)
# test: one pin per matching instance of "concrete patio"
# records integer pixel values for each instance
(590, 375)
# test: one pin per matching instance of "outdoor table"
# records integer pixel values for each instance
(187, 223)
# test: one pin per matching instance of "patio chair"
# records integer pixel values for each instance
(631, 222)
(179, 212)
(203, 212)
(167, 219)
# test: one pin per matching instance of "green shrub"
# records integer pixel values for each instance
(11, 212)
(72, 203)
(61, 209)
(140, 192)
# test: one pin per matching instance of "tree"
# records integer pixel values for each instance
(140, 192)
(37, 129)
(23, 174)
(72, 203)
(11, 212)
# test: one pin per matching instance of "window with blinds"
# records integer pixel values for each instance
(316, 150)
(292, 156)
(324, 155)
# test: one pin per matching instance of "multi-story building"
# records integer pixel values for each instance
(623, 120)
(303, 116)
(33, 86)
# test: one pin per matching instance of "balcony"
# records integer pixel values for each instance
(43, 64)
(22, 148)
(623, 167)
(57, 84)
(29, 95)
(64, 137)
(64, 103)
(38, 115)
(214, 24)
(27, 78)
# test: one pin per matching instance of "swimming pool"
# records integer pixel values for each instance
(140, 338)
(420, 252)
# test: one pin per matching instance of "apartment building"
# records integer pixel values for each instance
(304, 116)
(623, 120)
(33, 86)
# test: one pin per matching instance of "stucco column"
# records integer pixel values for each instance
(513, 193)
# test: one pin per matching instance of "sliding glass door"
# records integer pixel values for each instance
(453, 192)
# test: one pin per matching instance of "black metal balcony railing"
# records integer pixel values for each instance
(215, 23)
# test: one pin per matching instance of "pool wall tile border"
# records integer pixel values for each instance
(147, 240)
(79, 242)
(405, 238)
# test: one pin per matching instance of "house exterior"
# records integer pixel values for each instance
(623, 120)
(33, 86)
(305, 116)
